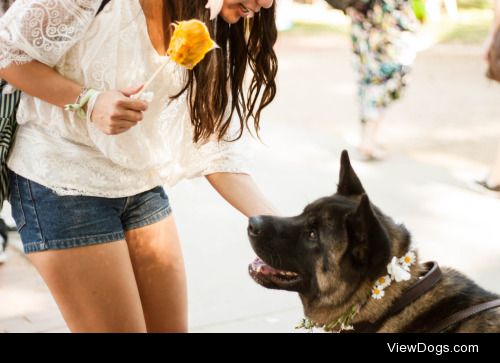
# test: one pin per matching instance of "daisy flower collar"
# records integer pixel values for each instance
(397, 270)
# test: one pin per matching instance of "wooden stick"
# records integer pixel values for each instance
(150, 80)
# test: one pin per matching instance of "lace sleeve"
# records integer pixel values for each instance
(43, 30)
(226, 156)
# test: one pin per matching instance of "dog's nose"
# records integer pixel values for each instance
(254, 226)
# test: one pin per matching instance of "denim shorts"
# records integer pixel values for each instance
(48, 221)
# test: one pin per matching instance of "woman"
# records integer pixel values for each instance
(384, 49)
(86, 193)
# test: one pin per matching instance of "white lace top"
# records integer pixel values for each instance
(63, 152)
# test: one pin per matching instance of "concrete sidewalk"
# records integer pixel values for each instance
(441, 135)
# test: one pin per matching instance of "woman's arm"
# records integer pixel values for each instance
(242, 193)
(29, 52)
(114, 111)
(41, 81)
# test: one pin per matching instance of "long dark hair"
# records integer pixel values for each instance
(5, 5)
(216, 85)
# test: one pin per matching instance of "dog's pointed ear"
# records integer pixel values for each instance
(368, 239)
(362, 220)
(349, 183)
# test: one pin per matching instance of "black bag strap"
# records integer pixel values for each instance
(103, 5)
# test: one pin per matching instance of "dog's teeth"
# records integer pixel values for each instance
(258, 268)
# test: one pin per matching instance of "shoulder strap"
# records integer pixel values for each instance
(464, 314)
(103, 5)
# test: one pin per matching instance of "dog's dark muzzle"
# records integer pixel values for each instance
(255, 226)
(261, 232)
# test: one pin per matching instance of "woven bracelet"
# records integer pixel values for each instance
(83, 100)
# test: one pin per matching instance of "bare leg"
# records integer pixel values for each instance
(94, 287)
(371, 147)
(159, 270)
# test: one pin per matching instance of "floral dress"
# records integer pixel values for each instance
(384, 49)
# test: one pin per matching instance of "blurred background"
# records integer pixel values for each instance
(440, 137)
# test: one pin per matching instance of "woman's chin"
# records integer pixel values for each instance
(231, 16)
(232, 19)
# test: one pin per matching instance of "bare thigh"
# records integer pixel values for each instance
(94, 287)
(159, 271)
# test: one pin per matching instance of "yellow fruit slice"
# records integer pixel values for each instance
(190, 43)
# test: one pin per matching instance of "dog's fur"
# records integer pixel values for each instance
(339, 246)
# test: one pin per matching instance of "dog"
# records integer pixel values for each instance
(354, 269)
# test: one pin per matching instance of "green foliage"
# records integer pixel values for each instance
(419, 9)
(307, 28)
(343, 322)
(472, 27)
(466, 33)
(475, 4)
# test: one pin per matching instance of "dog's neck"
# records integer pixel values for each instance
(429, 276)
(368, 310)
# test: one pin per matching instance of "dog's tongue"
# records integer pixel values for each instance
(261, 267)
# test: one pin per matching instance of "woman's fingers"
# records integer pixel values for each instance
(119, 127)
(124, 124)
(128, 115)
(131, 104)
(129, 91)
(115, 113)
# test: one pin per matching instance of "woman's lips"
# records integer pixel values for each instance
(245, 12)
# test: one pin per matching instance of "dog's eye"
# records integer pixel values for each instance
(313, 236)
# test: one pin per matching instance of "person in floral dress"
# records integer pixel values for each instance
(384, 49)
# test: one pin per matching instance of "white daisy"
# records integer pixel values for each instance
(397, 272)
(408, 260)
(377, 293)
(383, 282)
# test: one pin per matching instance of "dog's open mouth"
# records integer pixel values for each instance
(271, 277)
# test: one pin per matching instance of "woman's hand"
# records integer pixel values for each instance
(115, 112)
